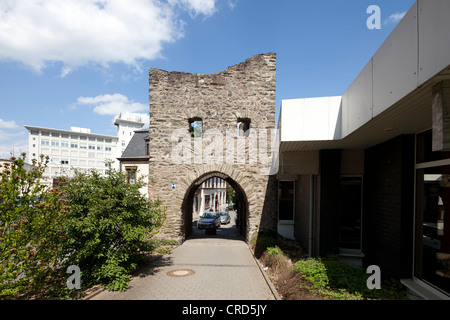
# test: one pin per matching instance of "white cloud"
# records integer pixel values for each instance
(79, 32)
(196, 7)
(115, 104)
(8, 124)
(396, 17)
(112, 104)
(12, 143)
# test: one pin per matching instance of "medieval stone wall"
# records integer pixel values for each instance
(243, 91)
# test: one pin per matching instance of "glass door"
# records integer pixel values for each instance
(433, 227)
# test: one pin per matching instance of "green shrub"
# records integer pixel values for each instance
(276, 258)
(107, 226)
(30, 230)
(274, 251)
(341, 281)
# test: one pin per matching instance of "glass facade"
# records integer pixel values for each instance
(432, 248)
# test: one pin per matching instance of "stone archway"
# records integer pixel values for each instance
(219, 102)
(187, 206)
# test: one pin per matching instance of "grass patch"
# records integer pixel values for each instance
(275, 258)
(290, 248)
(298, 277)
(339, 281)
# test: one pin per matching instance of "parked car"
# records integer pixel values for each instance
(225, 218)
(209, 220)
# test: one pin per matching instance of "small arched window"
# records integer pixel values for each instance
(196, 127)
(243, 127)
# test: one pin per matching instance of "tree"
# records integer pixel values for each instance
(107, 226)
(30, 229)
(231, 194)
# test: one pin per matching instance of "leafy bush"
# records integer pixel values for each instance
(30, 229)
(340, 281)
(107, 226)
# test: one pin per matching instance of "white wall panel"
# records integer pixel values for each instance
(395, 64)
(358, 102)
(312, 119)
(434, 37)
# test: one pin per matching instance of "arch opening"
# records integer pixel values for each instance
(193, 206)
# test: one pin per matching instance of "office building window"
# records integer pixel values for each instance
(55, 143)
(64, 144)
(74, 145)
(45, 142)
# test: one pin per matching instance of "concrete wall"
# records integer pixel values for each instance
(141, 172)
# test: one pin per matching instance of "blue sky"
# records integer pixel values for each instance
(78, 63)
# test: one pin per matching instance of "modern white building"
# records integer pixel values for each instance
(80, 149)
(72, 149)
(127, 124)
(366, 175)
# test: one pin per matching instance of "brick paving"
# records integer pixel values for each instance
(224, 269)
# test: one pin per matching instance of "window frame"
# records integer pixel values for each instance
(131, 171)
(424, 159)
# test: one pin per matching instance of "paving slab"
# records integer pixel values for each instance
(205, 267)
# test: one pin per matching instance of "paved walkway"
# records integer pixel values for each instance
(223, 269)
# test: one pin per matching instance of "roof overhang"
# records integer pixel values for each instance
(391, 96)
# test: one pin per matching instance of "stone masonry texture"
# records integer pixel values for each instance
(220, 100)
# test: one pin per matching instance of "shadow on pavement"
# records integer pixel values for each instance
(228, 231)
(156, 262)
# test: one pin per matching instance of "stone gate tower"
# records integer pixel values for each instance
(194, 135)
